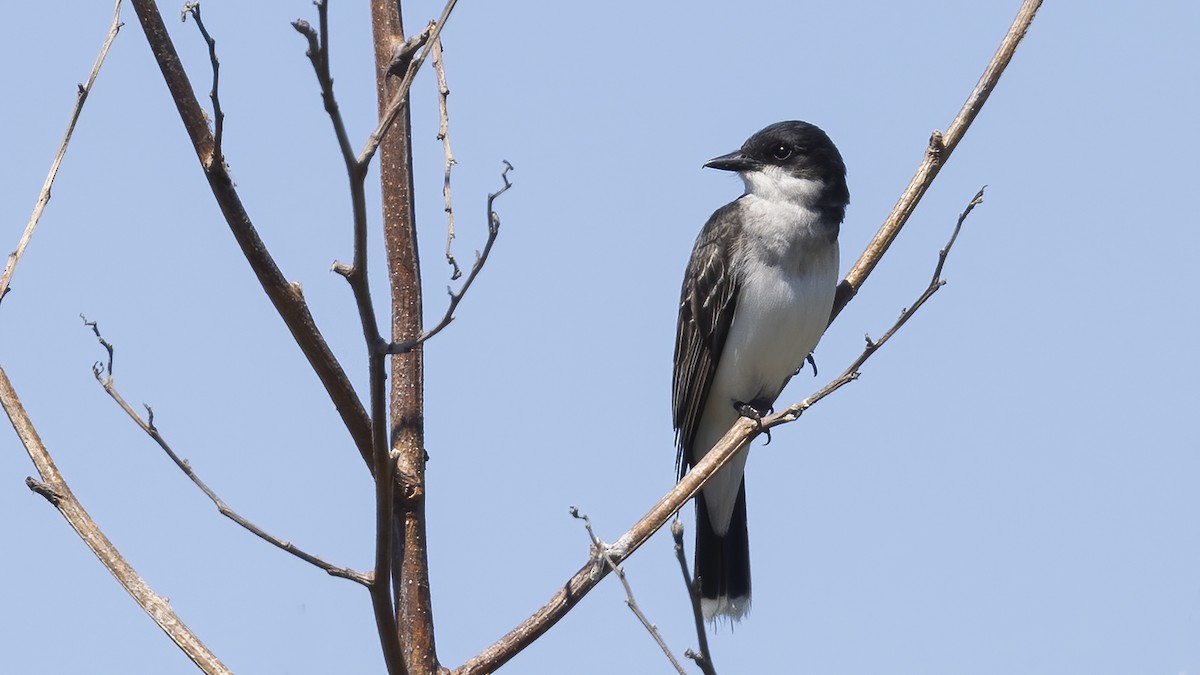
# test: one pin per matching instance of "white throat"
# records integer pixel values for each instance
(773, 184)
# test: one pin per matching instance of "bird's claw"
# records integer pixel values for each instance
(754, 411)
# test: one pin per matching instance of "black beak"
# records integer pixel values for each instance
(734, 161)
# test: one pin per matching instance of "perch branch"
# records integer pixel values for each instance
(81, 94)
(734, 441)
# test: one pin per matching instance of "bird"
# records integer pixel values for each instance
(757, 295)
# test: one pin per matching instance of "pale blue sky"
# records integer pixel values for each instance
(1012, 487)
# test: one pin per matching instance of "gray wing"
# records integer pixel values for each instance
(706, 309)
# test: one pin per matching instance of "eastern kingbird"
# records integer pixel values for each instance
(756, 298)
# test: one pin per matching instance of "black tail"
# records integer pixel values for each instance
(723, 563)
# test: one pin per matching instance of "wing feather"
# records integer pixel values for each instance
(706, 308)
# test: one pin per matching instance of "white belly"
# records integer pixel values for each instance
(780, 317)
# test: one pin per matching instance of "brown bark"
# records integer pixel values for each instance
(414, 613)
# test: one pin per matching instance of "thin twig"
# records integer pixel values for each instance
(703, 659)
(54, 488)
(480, 260)
(318, 53)
(936, 154)
(600, 552)
(104, 376)
(193, 8)
(734, 441)
(439, 67)
(81, 95)
(287, 298)
(98, 367)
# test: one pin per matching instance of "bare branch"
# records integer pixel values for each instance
(81, 95)
(734, 441)
(600, 553)
(703, 659)
(147, 425)
(284, 295)
(439, 67)
(940, 147)
(54, 488)
(480, 260)
(193, 8)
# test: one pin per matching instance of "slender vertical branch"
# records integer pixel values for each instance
(10, 267)
(357, 275)
(703, 658)
(439, 68)
(393, 138)
(193, 8)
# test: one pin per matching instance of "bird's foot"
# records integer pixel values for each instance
(756, 410)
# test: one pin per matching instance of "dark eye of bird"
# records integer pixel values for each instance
(781, 152)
